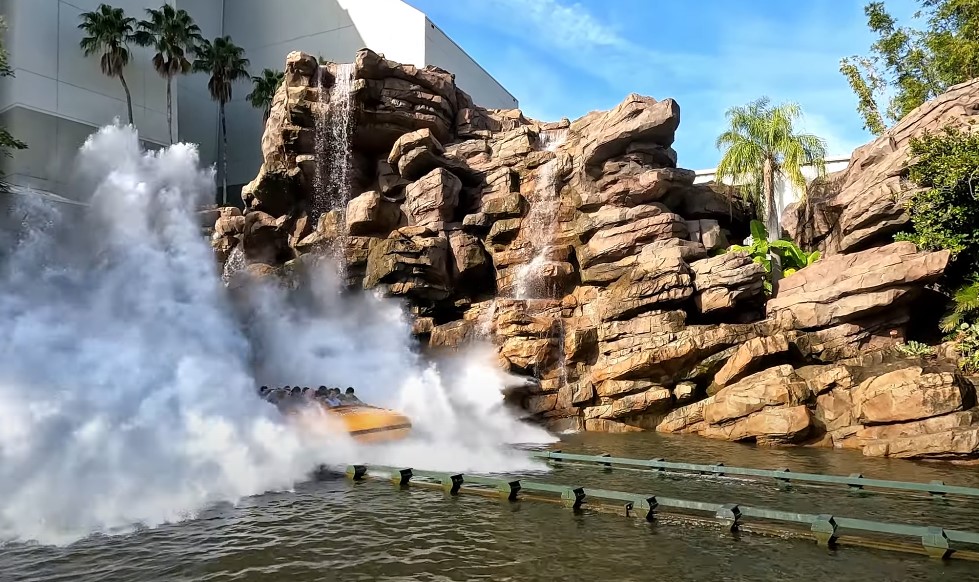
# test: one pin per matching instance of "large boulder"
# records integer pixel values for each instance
(433, 198)
(845, 288)
(665, 279)
(412, 262)
(617, 242)
(727, 281)
(370, 213)
(910, 394)
(865, 204)
(637, 119)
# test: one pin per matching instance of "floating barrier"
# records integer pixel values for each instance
(782, 477)
(826, 529)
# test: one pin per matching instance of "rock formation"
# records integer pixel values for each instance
(596, 266)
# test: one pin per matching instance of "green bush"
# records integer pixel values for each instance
(791, 257)
(913, 349)
(945, 214)
(968, 338)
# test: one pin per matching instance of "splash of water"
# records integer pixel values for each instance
(128, 375)
(341, 125)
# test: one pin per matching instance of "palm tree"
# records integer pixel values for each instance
(264, 90)
(108, 31)
(760, 146)
(226, 63)
(173, 34)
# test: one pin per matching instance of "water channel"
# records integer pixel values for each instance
(335, 529)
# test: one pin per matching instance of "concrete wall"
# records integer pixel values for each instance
(785, 193)
(54, 79)
(59, 96)
(442, 51)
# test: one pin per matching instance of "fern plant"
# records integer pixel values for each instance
(965, 306)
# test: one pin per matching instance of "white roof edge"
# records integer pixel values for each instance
(828, 160)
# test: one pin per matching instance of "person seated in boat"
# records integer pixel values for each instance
(349, 397)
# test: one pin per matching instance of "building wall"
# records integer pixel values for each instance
(785, 192)
(53, 79)
(442, 51)
(59, 96)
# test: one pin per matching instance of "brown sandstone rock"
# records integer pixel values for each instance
(654, 398)
(778, 386)
(637, 119)
(617, 242)
(416, 153)
(686, 419)
(845, 288)
(433, 198)
(750, 356)
(370, 213)
(727, 281)
(865, 204)
(469, 260)
(910, 394)
(410, 263)
(662, 281)
(772, 426)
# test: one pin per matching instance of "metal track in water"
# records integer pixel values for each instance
(826, 529)
(781, 476)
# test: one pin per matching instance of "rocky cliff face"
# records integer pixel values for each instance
(592, 262)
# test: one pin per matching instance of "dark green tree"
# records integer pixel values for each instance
(108, 31)
(173, 35)
(263, 91)
(225, 62)
(912, 66)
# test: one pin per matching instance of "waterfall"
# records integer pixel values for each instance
(333, 128)
(540, 224)
(235, 263)
(340, 126)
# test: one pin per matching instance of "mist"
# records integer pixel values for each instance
(128, 374)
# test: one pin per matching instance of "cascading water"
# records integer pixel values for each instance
(235, 263)
(340, 126)
(540, 225)
(128, 374)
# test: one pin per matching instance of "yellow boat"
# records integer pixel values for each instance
(370, 424)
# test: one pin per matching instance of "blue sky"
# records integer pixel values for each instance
(563, 58)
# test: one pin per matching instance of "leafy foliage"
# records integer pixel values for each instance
(7, 140)
(968, 339)
(226, 63)
(172, 33)
(264, 88)
(761, 250)
(965, 306)
(912, 66)
(945, 213)
(913, 349)
(760, 145)
(108, 31)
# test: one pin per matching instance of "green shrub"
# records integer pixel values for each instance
(945, 213)
(791, 257)
(968, 338)
(913, 349)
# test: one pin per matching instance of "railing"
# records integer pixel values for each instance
(824, 528)
(781, 476)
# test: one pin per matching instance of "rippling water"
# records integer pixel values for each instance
(338, 530)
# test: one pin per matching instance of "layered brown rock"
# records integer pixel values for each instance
(727, 281)
(865, 204)
(845, 288)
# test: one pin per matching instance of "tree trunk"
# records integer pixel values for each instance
(771, 208)
(170, 107)
(129, 98)
(224, 159)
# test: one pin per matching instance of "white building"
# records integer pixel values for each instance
(785, 192)
(59, 97)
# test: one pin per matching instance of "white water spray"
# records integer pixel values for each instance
(234, 264)
(128, 380)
